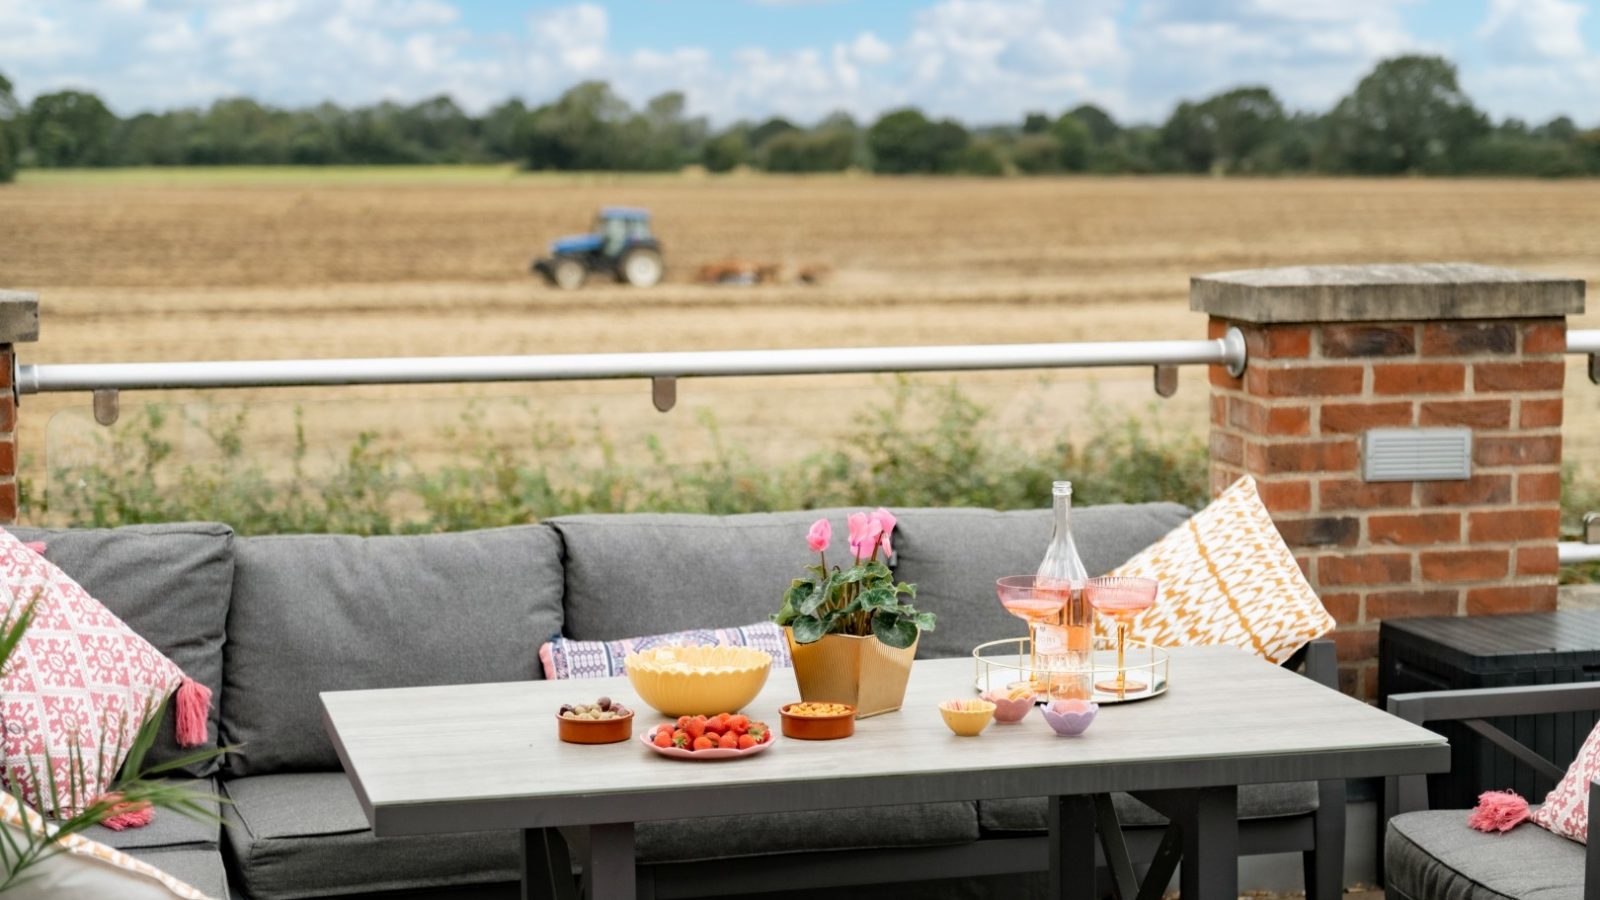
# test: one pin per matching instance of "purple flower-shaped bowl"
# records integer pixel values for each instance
(1008, 711)
(1070, 718)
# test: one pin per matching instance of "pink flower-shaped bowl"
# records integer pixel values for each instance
(1008, 711)
(1070, 718)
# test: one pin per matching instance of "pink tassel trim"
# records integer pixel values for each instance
(127, 816)
(1499, 811)
(193, 709)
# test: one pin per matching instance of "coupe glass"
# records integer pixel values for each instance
(1121, 598)
(1027, 598)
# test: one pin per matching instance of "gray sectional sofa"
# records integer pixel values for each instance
(269, 622)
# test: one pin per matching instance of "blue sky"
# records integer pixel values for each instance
(980, 60)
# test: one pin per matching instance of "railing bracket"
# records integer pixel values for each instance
(1594, 368)
(107, 406)
(1166, 380)
(664, 392)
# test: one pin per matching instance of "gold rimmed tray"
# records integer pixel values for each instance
(1003, 665)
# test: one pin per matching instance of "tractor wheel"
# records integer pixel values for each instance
(641, 267)
(568, 274)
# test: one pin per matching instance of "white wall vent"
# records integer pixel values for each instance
(1416, 454)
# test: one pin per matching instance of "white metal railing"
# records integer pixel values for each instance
(663, 369)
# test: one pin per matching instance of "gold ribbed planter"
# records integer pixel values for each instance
(860, 671)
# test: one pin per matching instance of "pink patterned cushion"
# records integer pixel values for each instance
(1566, 808)
(80, 682)
(566, 658)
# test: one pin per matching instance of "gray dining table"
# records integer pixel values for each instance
(482, 757)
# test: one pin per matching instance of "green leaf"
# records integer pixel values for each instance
(818, 597)
(894, 631)
(808, 629)
(925, 621)
(880, 597)
(909, 590)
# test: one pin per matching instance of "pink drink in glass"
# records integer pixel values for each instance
(1024, 597)
(1121, 598)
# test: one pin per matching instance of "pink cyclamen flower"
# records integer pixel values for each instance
(820, 535)
(864, 534)
(885, 520)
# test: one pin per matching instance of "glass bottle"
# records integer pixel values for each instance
(1067, 646)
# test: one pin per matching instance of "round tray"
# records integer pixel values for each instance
(1000, 665)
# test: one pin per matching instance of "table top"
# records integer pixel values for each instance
(485, 757)
(1522, 634)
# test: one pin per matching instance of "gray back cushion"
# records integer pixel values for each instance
(315, 613)
(171, 585)
(953, 556)
(647, 573)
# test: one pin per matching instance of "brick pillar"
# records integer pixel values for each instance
(19, 323)
(1337, 350)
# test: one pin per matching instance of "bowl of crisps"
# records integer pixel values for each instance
(694, 681)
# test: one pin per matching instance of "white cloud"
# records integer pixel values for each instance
(1542, 67)
(1534, 30)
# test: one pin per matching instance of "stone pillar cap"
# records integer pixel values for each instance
(1384, 293)
(19, 317)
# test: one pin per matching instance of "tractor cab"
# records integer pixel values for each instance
(620, 244)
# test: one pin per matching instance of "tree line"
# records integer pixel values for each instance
(1409, 115)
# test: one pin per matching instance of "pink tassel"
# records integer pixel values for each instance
(125, 816)
(193, 708)
(1499, 811)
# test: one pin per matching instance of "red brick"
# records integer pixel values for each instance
(1222, 477)
(8, 411)
(7, 356)
(1471, 413)
(1409, 604)
(1342, 341)
(1320, 531)
(1216, 328)
(1367, 690)
(1350, 679)
(1517, 451)
(1475, 491)
(8, 503)
(1221, 379)
(1538, 487)
(1305, 381)
(1356, 643)
(1423, 528)
(1538, 560)
(1418, 378)
(1307, 567)
(1285, 496)
(1277, 421)
(1490, 601)
(1514, 525)
(1362, 495)
(1345, 608)
(1351, 418)
(1366, 568)
(1541, 413)
(1278, 341)
(8, 458)
(1519, 376)
(1219, 409)
(1468, 338)
(1227, 448)
(1544, 337)
(1465, 565)
(1307, 456)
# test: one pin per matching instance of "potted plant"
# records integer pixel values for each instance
(851, 635)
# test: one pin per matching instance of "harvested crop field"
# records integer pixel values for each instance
(150, 265)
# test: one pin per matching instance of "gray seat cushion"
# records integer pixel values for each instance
(954, 557)
(315, 613)
(1433, 855)
(635, 574)
(199, 868)
(169, 829)
(723, 837)
(304, 835)
(1256, 801)
(171, 585)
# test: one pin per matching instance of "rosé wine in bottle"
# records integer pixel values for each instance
(1068, 645)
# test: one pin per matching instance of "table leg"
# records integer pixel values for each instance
(1071, 820)
(546, 867)
(1210, 868)
(611, 868)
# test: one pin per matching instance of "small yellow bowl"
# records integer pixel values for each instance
(967, 718)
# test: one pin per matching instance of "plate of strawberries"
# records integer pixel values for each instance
(722, 736)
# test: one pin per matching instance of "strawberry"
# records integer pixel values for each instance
(683, 723)
(739, 724)
(704, 742)
(696, 727)
(728, 741)
(680, 739)
(760, 732)
(663, 737)
(715, 725)
(746, 742)
(722, 719)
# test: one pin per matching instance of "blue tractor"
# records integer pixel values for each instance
(621, 246)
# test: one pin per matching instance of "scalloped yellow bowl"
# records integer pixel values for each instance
(694, 681)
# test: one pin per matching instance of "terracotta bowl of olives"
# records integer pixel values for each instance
(601, 722)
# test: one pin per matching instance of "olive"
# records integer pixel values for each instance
(604, 703)
(566, 708)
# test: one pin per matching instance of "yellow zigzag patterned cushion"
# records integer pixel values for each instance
(1227, 577)
(86, 868)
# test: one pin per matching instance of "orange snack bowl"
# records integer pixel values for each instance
(818, 728)
(967, 718)
(595, 731)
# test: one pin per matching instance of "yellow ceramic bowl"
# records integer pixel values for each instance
(967, 718)
(694, 681)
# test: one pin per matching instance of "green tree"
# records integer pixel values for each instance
(904, 141)
(1244, 124)
(727, 151)
(1035, 123)
(768, 130)
(500, 128)
(1075, 141)
(70, 128)
(1037, 154)
(822, 150)
(1408, 115)
(1102, 128)
(10, 132)
(579, 130)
